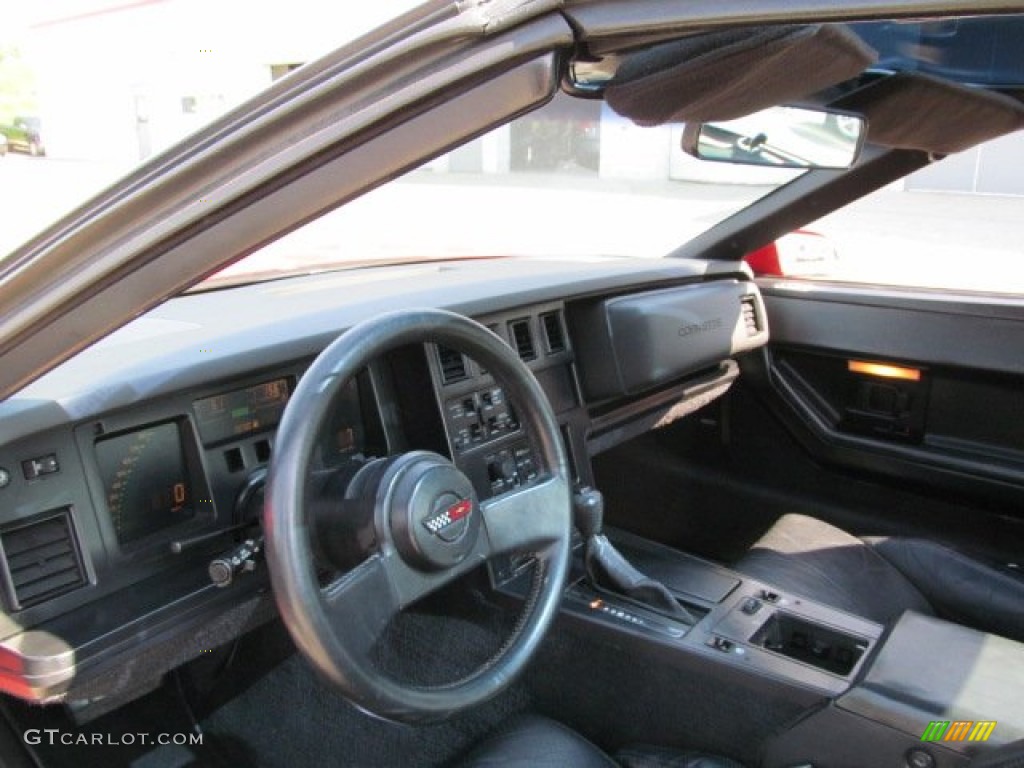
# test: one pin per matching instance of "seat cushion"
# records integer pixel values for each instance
(536, 742)
(661, 757)
(807, 557)
(960, 588)
(530, 741)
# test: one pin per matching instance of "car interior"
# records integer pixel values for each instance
(522, 512)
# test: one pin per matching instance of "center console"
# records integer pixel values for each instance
(937, 695)
(739, 621)
(925, 694)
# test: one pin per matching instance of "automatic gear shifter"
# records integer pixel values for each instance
(607, 567)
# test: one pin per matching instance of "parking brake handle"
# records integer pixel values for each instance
(608, 568)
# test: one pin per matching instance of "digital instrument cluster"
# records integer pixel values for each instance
(242, 412)
(147, 480)
(153, 477)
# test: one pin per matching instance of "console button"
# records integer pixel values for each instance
(721, 644)
(751, 606)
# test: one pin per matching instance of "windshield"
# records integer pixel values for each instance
(76, 119)
(628, 191)
(625, 191)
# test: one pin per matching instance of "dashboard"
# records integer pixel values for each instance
(131, 477)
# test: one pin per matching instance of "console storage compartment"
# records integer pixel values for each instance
(814, 644)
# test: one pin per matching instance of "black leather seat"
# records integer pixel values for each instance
(536, 742)
(879, 578)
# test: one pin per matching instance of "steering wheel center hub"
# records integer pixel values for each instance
(432, 511)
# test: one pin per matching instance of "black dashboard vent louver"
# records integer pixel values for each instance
(453, 364)
(42, 560)
(751, 321)
(522, 339)
(553, 334)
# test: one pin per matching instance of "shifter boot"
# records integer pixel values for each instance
(607, 567)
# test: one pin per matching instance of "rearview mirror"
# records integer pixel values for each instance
(779, 137)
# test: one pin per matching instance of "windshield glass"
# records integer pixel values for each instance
(623, 190)
(91, 88)
(77, 119)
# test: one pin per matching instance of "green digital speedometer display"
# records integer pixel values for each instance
(146, 481)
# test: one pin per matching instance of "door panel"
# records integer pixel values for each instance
(968, 333)
(944, 406)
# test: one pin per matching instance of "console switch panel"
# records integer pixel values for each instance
(479, 417)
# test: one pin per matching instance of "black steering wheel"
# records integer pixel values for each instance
(425, 528)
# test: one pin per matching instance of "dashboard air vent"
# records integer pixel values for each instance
(748, 306)
(453, 365)
(522, 339)
(553, 334)
(42, 560)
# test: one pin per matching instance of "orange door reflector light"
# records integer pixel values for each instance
(884, 370)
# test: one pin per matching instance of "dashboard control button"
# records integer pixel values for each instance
(39, 466)
(501, 467)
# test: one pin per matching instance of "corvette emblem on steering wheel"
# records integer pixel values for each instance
(440, 522)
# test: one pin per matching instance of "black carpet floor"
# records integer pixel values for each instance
(260, 704)
(293, 719)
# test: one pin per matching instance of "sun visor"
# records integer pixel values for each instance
(914, 111)
(727, 74)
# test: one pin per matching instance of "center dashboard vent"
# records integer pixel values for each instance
(751, 321)
(453, 364)
(41, 560)
(522, 339)
(553, 333)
